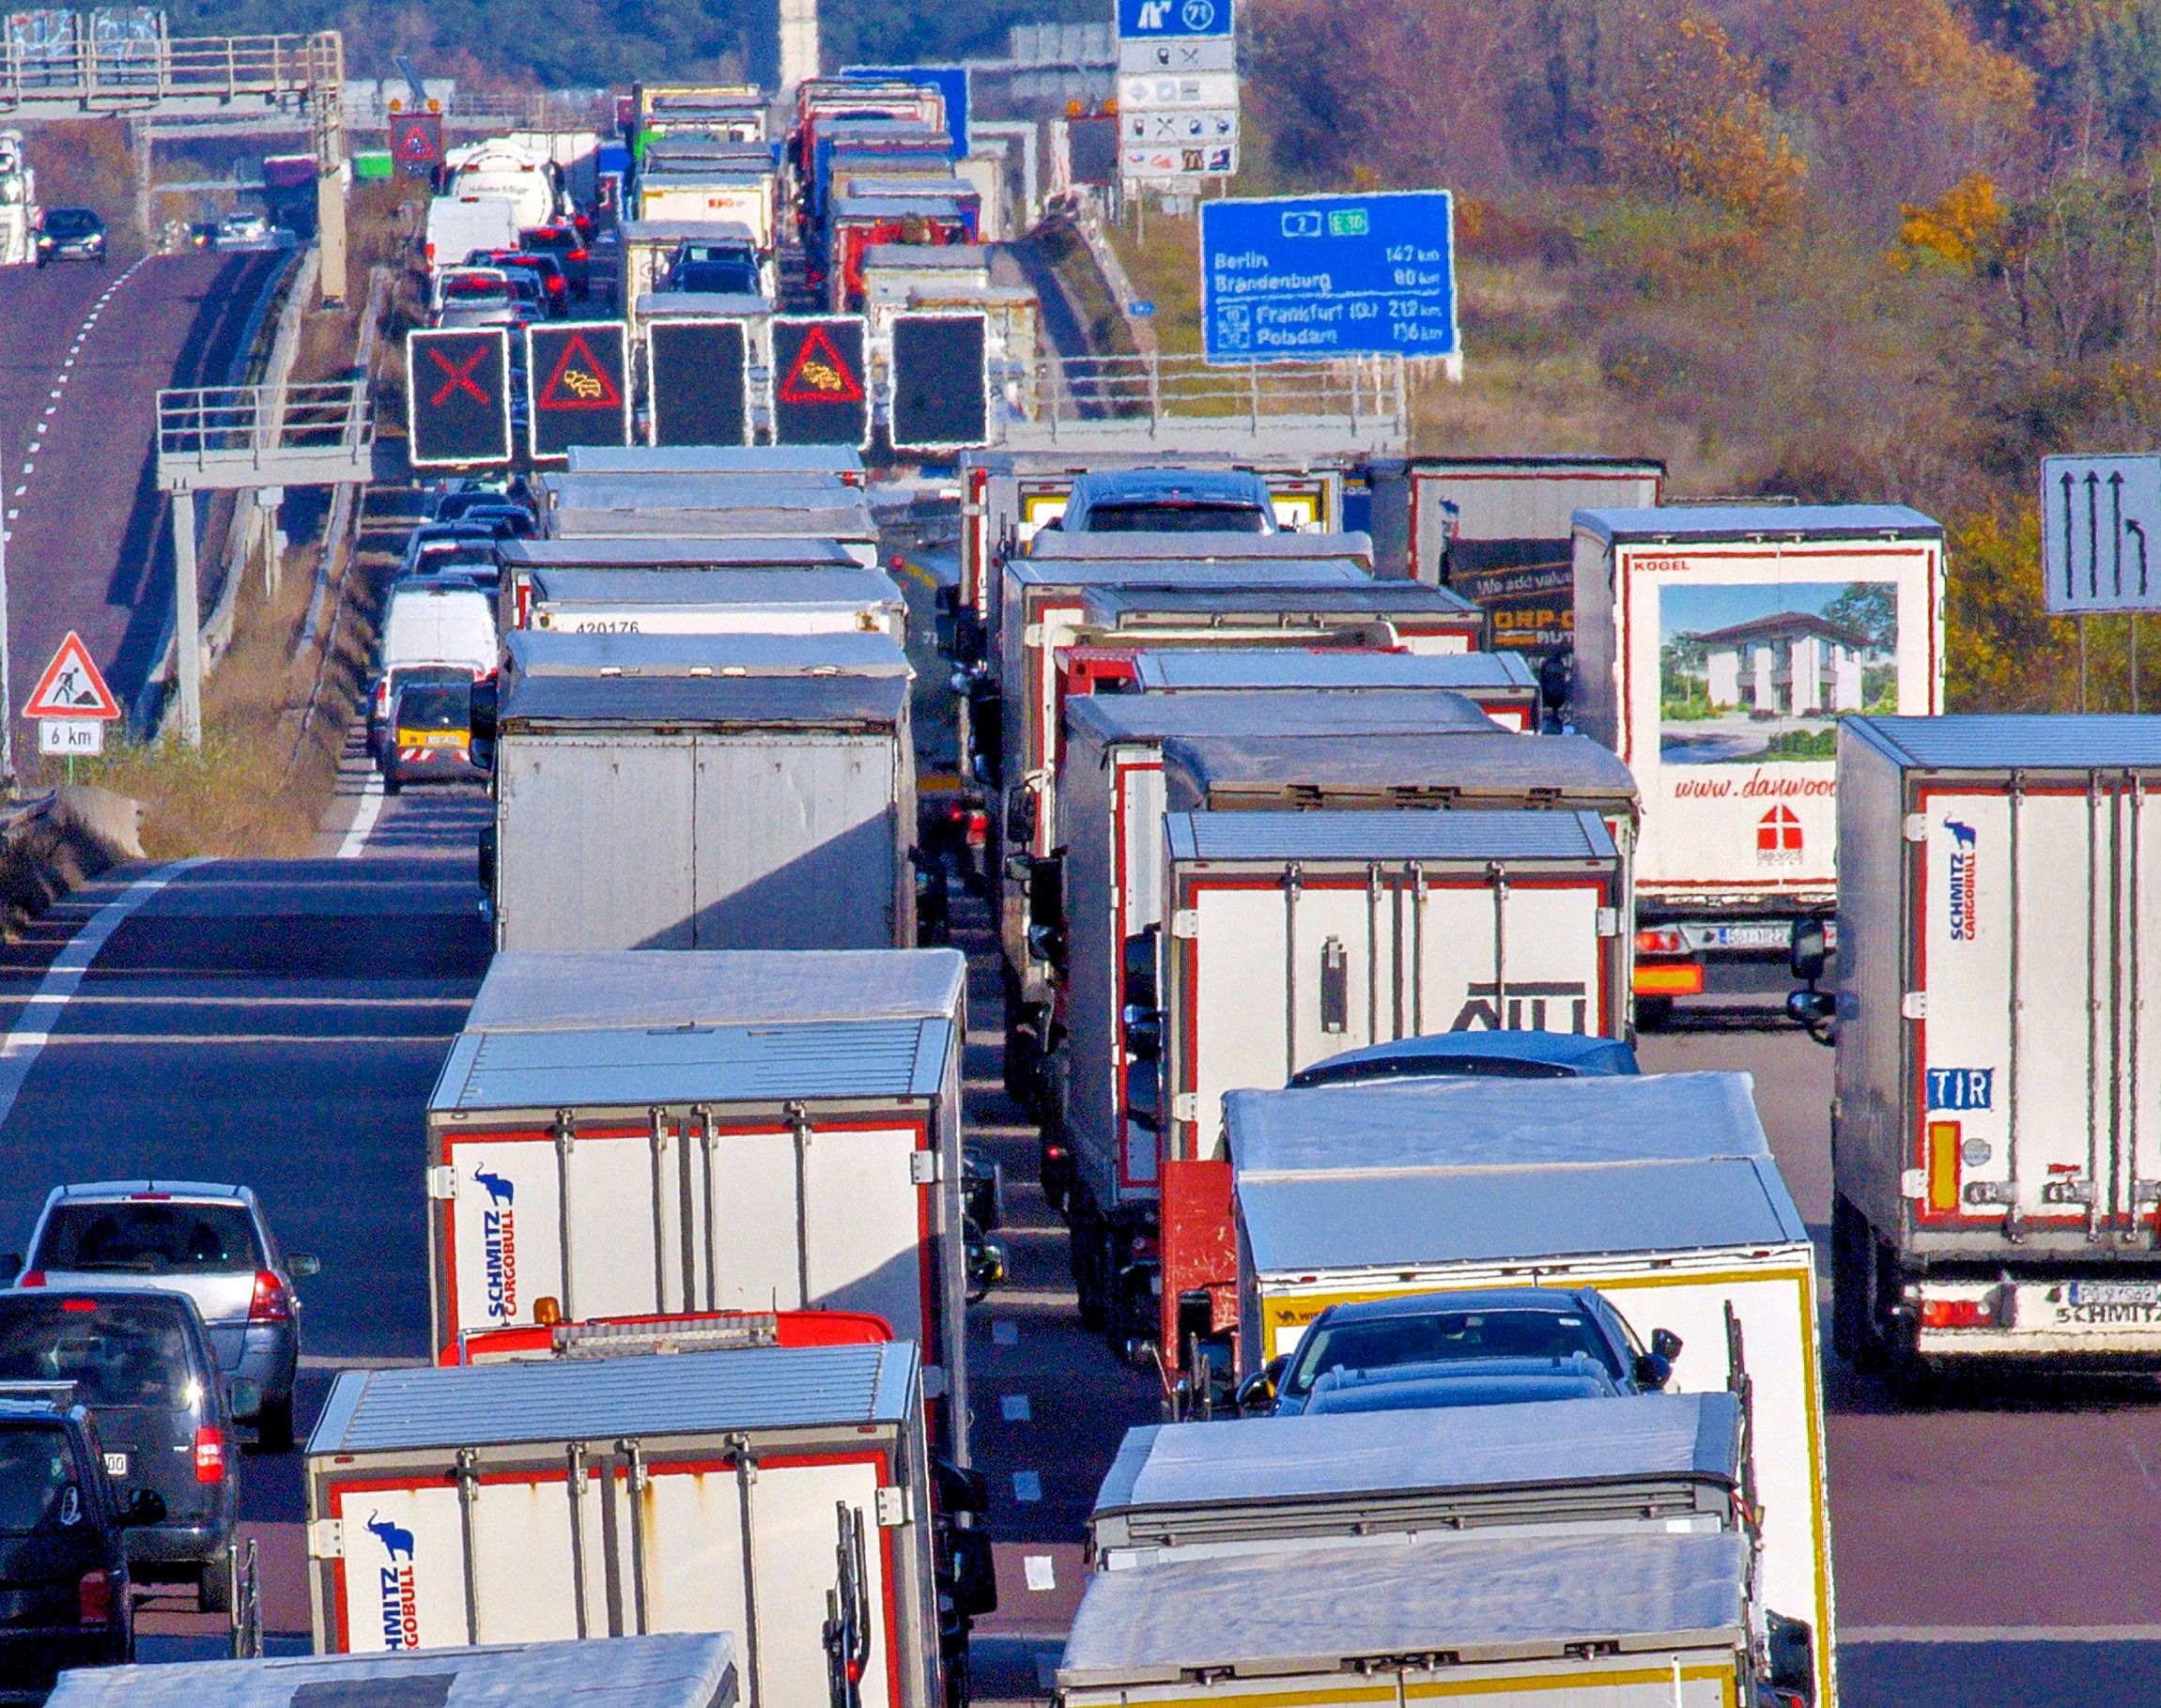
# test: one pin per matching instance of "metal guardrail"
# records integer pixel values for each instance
(247, 1601)
(172, 74)
(265, 435)
(1151, 396)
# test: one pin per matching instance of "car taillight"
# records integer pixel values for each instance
(31, 1278)
(1956, 1313)
(577, 254)
(209, 1454)
(978, 829)
(270, 1304)
(94, 1598)
(1661, 940)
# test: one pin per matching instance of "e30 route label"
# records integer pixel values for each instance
(1309, 278)
(2101, 533)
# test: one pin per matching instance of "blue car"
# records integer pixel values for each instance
(1169, 501)
(1487, 1346)
(1526, 1055)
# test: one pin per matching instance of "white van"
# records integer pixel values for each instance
(434, 629)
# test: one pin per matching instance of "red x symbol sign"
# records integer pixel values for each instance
(460, 376)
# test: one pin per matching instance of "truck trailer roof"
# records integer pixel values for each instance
(1120, 606)
(1714, 522)
(372, 1412)
(1326, 1611)
(1998, 741)
(586, 990)
(1055, 543)
(676, 551)
(1203, 771)
(1215, 669)
(1178, 1484)
(531, 653)
(843, 462)
(678, 1669)
(710, 702)
(853, 586)
(1294, 714)
(1388, 836)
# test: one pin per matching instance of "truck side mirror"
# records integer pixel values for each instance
(1792, 1654)
(1257, 1393)
(481, 719)
(1139, 964)
(1144, 1096)
(1810, 951)
(974, 1582)
(959, 1487)
(1665, 1344)
(1141, 1029)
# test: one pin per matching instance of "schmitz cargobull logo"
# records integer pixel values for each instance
(1964, 920)
(498, 1244)
(400, 1598)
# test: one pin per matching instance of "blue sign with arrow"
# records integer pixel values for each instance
(1144, 20)
(2101, 533)
(1309, 278)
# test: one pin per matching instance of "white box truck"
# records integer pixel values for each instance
(1716, 650)
(1996, 1155)
(720, 602)
(1660, 1191)
(517, 560)
(674, 1670)
(1499, 684)
(1228, 753)
(639, 1135)
(1497, 529)
(700, 791)
(780, 1495)
(1293, 936)
(1591, 1622)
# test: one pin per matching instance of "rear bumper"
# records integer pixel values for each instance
(163, 1552)
(440, 766)
(267, 1354)
(32, 1657)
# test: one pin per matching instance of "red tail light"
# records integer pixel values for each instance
(31, 1278)
(1956, 1314)
(978, 829)
(1662, 940)
(94, 1598)
(271, 1302)
(209, 1454)
(577, 254)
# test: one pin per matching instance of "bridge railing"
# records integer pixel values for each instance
(1156, 395)
(75, 67)
(269, 436)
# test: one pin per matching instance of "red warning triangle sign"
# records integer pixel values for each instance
(820, 374)
(73, 686)
(413, 142)
(578, 380)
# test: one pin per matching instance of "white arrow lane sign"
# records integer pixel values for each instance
(2101, 533)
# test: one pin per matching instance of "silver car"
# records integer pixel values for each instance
(210, 1242)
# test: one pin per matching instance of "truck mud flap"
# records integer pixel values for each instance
(1198, 1248)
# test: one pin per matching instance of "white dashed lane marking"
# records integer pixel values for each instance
(1015, 1407)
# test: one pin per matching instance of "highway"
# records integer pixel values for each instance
(283, 1021)
(84, 351)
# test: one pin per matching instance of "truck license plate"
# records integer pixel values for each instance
(2115, 1293)
(115, 1465)
(1750, 937)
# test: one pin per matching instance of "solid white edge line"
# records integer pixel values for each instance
(1998, 1634)
(34, 1026)
(371, 800)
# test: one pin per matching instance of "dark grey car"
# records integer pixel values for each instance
(140, 1361)
(211, 1242)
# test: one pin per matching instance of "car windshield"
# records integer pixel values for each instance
(70, 221)
(1176, 518)
(148, 1238)
(36, 1469)
(1443, 1337)
(435, 706)
(476, 290)
(117, 1351)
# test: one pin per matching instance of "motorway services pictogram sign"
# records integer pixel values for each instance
(71, 704)
(580, 386)
(698, 375)
(457, 399)
(819, 397)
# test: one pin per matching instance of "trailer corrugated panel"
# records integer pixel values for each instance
(715, 1491)
(1603, 1622)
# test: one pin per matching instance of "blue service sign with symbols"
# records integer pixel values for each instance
(1310, 278)
(1138, 20)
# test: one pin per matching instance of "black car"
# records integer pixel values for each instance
(566, 244)
(63, 1552)
(71, 233)
(142, 1362)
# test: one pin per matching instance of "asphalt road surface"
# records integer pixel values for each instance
(84, 351)
(282, 1023)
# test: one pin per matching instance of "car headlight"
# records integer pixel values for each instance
(44, 241)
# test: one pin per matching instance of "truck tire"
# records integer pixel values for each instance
(215, 1586)
(1653, 1012)
(1850, 1300)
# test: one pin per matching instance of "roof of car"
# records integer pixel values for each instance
(1462, 1299)
(1173, 485)
(1433, 1052)
(1498, 1383)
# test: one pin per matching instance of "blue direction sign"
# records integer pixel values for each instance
(1307, 278)
(1139, 19)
